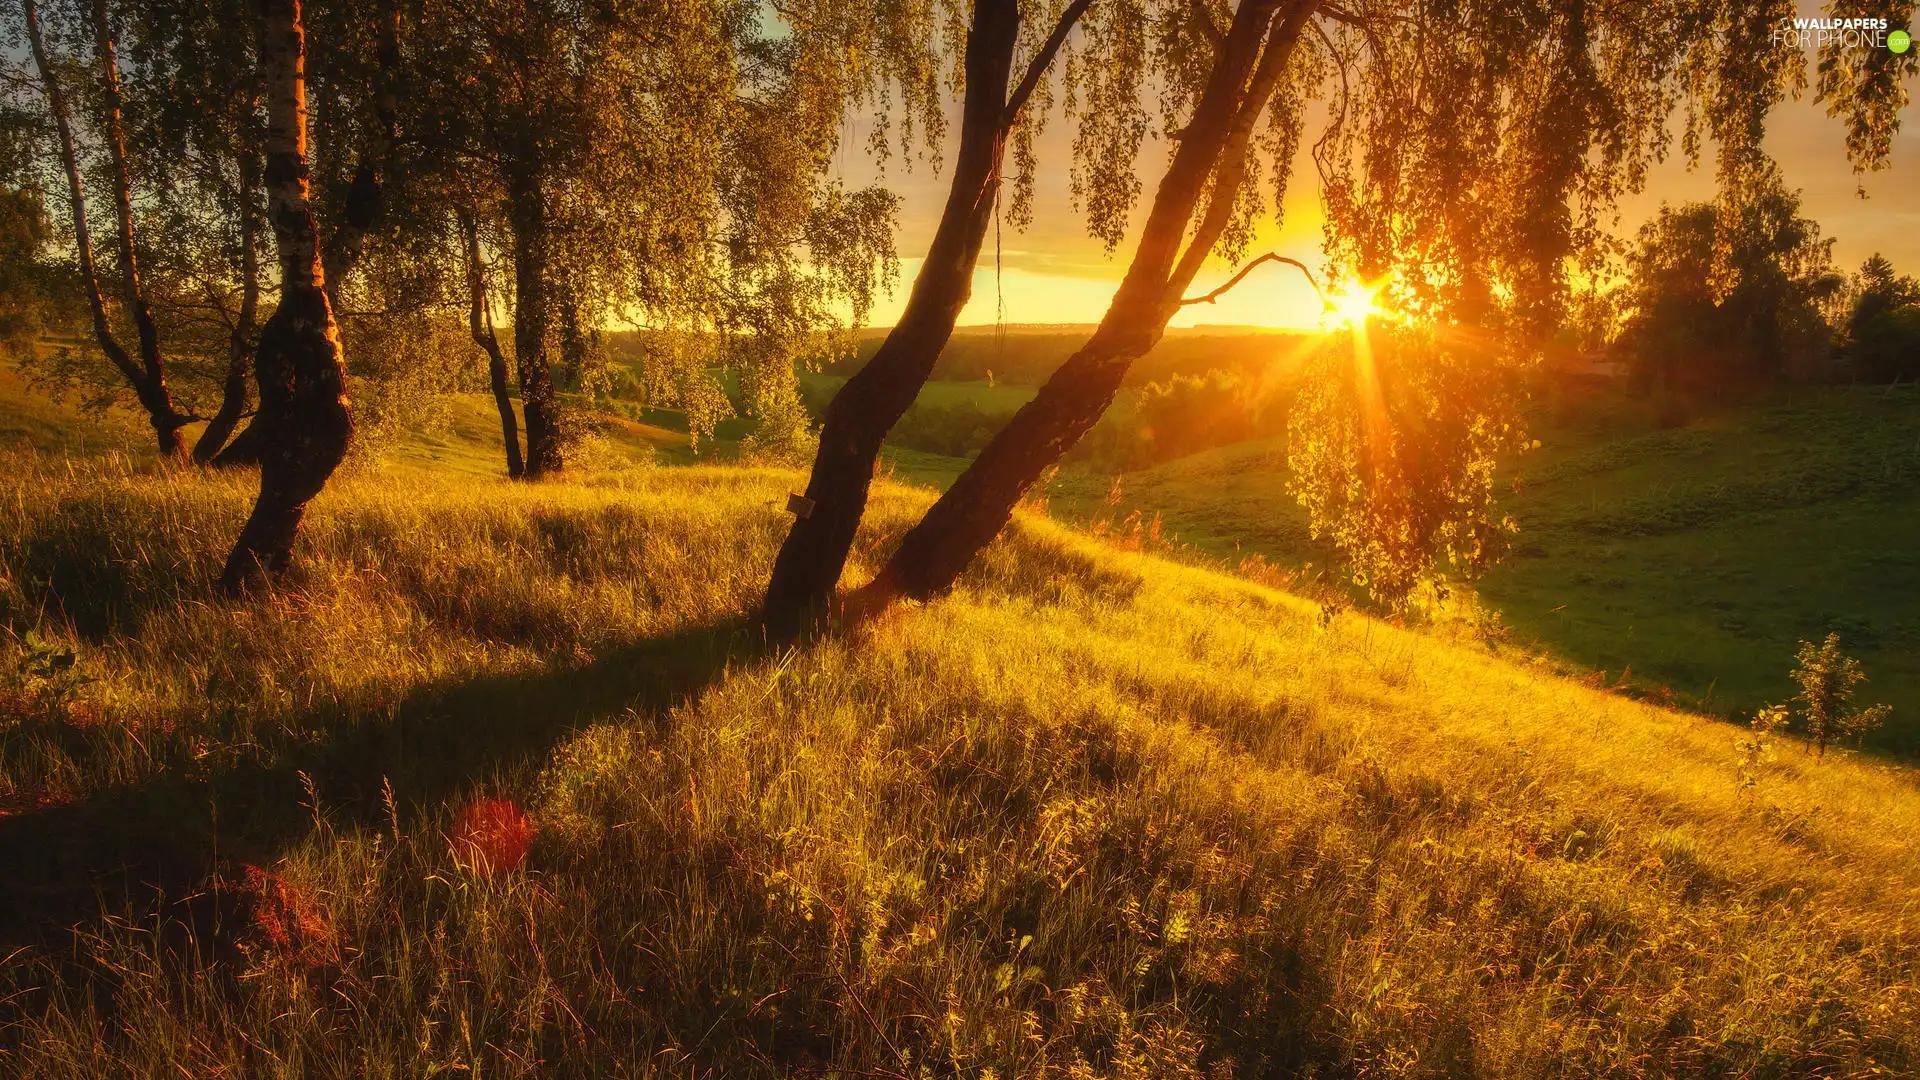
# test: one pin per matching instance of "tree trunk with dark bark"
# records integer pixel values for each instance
(480, 325)
(810, 561)
(245, 447)
(304, 418)
(575, 342)
(233, 394)
(531, 316)
(147, 377)
(972, 512)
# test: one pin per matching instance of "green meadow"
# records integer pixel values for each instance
(1684, 563)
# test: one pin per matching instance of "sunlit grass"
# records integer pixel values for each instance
(1096, 814)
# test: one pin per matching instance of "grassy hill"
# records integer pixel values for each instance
(1096, 814)
(1685, 562)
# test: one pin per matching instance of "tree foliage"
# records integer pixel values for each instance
(1716, 303)
(1882, 333)
(1828, 679)
(1471, 156)
(1393, 442)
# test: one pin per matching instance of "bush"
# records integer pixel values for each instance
(1886, 347)
(1827, 679)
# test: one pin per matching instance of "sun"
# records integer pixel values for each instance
(1356, 305)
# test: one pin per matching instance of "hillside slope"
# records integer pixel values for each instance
(1096, 814)
(1687, 561)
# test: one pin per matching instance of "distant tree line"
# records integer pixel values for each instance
(1027, 355)
(1727, 299)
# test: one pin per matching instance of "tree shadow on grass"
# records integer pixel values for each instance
(157, 845)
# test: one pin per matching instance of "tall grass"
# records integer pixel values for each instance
(1094, 815)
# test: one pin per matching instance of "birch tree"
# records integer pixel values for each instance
(305, 420)
(1470, 158)
(146, 372)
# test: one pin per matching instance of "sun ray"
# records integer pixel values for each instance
(1355, 306)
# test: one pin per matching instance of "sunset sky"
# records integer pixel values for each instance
(1056, 273)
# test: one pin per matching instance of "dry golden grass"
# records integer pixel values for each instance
(1096, 814)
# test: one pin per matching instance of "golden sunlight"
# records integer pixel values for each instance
(1355, 306)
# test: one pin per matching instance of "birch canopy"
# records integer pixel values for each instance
(1470, 156)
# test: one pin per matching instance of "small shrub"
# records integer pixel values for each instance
(1756, 749)
(1827, 678)
(286, 919)
(47, 680)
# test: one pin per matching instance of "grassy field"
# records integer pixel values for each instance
(1687, 562)
(1684, 563)
(1096, 814)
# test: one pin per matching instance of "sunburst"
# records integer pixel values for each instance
(1355, 306)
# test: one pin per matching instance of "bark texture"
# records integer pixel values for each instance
(1248, 62)
(532, 316)
(304, 419)
(810, 561)
(147, 376)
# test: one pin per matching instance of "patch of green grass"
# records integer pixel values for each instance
(1700, 557)
(29, 419)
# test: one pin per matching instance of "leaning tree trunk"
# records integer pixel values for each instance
(233, 394)
(148, 378)
(873, 400)
(480, 325)
(303, 414)
(531, 314)
(966, 518)
(166, 422)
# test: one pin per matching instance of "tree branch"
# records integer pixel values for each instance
(1042, 59)
(1248, 269)
(1231, 170)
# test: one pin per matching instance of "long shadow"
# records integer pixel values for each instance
(156, 845)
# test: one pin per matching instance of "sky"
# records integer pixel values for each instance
(1055, 273)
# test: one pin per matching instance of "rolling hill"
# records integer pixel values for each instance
(504, 785)
(1684, 563)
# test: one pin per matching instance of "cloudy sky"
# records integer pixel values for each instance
(1056, 273)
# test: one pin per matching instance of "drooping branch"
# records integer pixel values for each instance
(1339, 120)
(1203, 24)
(1043, 59)
(1270, 256)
